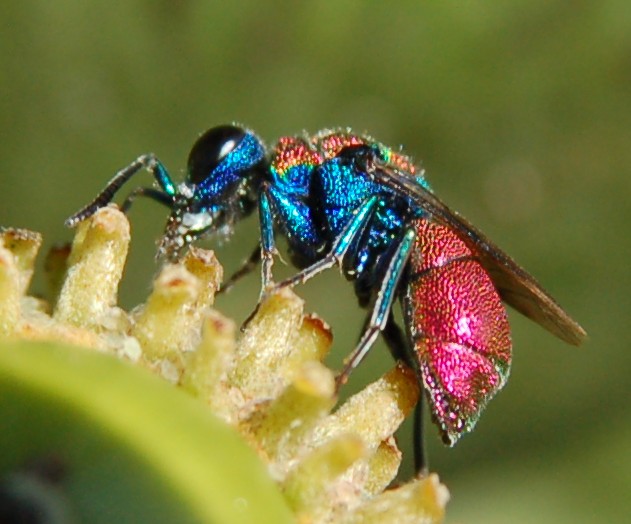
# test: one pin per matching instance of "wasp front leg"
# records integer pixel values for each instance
(268, 245)
(294, 217)
(149, 162)
(147, 192)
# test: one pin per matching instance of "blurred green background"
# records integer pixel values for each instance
(520, 112)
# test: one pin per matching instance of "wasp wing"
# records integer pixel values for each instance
(516, 287)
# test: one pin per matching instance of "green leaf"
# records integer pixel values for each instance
(133, 448)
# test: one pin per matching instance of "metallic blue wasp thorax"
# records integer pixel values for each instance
(340, 191)
(317, 188)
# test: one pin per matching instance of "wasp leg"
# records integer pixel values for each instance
(248, 265)
(266, 252)
(397, 342)
(148, 162)
(381, 308)
(268, 246)
(398, 345)
(421, 465)
(341, 246)
(293, 216)
(148, 192)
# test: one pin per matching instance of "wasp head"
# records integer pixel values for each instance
(225, 168)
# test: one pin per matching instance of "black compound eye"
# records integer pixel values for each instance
(210, 149)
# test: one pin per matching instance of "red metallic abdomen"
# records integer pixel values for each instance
(457, 326)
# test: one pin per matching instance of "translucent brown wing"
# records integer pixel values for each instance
(516, 287)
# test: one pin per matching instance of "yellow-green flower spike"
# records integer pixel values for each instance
(95, 267)
(329, 464)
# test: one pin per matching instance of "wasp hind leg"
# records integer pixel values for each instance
(399, 346)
